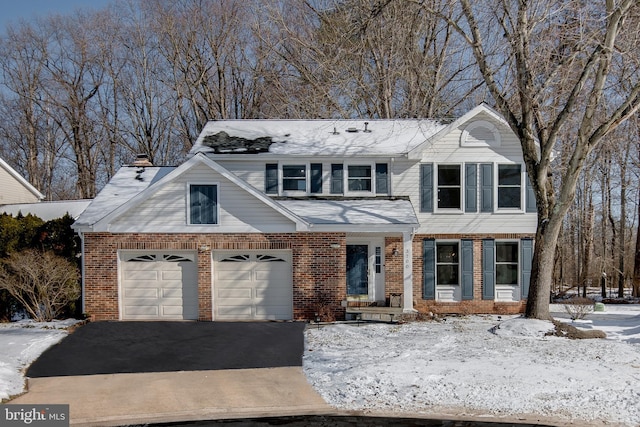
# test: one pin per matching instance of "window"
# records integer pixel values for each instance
(447, 263)
(294, 178)
(203, 204)
(359, 178)
(509, 187)
(506, 263)
(449, 187)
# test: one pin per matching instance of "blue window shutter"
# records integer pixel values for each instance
(382, 179)
(429, 269)
(471, 188)
(316, 178)
(426, 187)
(467, 269)
(486, 182)
(271, 178)
(337, 179)
(488, 269)
(526, 256)
(530, 202)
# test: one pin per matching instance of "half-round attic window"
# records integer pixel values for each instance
(480, 134)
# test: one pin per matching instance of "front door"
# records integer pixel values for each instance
(357, 270)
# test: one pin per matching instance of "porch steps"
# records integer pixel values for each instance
(376, 314)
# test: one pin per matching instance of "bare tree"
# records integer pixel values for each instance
(42, 282)
(549, 67)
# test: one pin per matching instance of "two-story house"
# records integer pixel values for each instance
(283, 219)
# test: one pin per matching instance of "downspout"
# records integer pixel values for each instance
(407, 268)
(82, 273)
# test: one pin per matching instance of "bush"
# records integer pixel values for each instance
(44, 283)
(578, 308)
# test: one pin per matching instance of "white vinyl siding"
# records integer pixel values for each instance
(239, 211)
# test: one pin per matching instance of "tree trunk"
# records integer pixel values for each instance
(636, 259)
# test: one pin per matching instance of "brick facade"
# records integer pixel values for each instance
(319, 270)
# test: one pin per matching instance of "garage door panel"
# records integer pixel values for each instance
(141, 293)
(235, 312)
(235, 293)
(141, 275)
(234, 275)
(141, 310)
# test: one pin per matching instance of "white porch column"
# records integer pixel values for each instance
(407, 267)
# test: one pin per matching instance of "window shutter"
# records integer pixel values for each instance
(337, 179)
(429, 269)
(382, 180)
(316, 178)
(471, 188)
(271, 178)
(426, 187)
(526, 256)
(486, 195)
(488, 269)
(467, 269)
(530, 202)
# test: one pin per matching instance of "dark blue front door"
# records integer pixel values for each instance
(357, 269)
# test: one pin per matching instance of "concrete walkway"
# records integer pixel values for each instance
(138, 398)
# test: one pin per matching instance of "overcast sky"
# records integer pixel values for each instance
(14, 10)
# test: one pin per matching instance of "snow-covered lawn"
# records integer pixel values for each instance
(459, 366)
(20, 344)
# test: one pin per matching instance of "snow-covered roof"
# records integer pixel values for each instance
(358, 212)
(48, 210)
(315, 137)
(128, 182)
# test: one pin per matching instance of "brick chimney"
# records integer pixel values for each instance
(142, 160)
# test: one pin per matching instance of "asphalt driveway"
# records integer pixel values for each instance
(139, 347)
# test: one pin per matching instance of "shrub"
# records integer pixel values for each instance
(578, 308)
(44, 283)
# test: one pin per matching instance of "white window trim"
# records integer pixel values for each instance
(458, 285)
(188, 204)
(495, 257)
(345, 179)
(281, 178)
(523, 189)
(437, 209)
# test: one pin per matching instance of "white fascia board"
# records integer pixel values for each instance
(371, 228)
(21, 179)
(200, 158)
(416, 153)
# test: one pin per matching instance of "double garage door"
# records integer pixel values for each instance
(248, 285)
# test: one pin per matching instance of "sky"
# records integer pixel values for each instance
(12, 11)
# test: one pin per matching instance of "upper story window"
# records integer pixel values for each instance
(359, 178)
(449, 187)
(509, 187)
(294, 178)
(340, 179)
(475, 187)
(203, 204)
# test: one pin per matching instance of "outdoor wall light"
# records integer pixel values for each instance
(394, 252)
(335, 246)
(205, 248)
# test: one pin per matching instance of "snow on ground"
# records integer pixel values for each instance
(20, 344)
(483, 365)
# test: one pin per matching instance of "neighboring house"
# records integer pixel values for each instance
(14, 188)
(283, 219)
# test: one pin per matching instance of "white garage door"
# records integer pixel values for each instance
(253, 286)
(159, 286)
